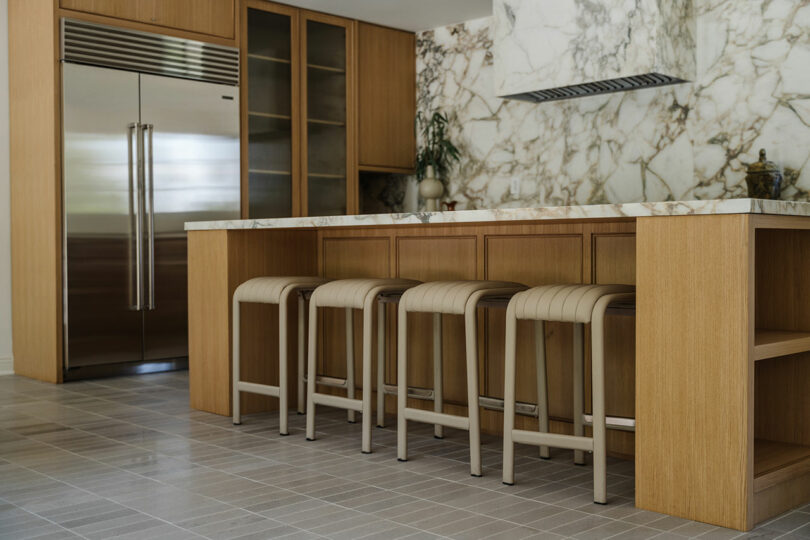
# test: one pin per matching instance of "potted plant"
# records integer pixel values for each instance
(434, 157)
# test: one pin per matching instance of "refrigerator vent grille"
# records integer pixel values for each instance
(101, 45)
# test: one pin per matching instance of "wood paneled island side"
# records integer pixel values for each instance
(715, 366)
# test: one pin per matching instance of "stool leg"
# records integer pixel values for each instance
(402, 383)
(599, 425)
(311, 373)
(283, 404)
(350, 360)
(542, 385)
(301, 338)
(438, 383)
(237, 418)
(471, 331)
(509, 397)
(579, 391)
(368, 310)
(380, 364)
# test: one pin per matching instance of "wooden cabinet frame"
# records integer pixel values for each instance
(351, 109)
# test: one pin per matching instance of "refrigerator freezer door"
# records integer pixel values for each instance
(100, 107)
(195, 164)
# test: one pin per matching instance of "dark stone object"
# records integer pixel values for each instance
(764, 179)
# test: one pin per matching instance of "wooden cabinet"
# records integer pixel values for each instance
(210, 17)
(309, 81)
(298, 139)
(386, 87)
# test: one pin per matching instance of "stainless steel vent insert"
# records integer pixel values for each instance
(648, 80)
(108, 46)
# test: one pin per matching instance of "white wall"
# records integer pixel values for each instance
(5, 242)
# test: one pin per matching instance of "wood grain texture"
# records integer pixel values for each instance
(35, 162)
(218, 262)
(209, 343)
(209, 17)
(386, 71)
(694, 374)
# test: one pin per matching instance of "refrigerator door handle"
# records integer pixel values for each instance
(136, 222)
(148, 130)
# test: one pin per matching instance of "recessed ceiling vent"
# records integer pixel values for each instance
(547, 50)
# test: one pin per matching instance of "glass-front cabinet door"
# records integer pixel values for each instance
(270, 185)
(327, 167)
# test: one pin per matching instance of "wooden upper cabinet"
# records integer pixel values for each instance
(386, 67)
(213, 17)
(210, 17)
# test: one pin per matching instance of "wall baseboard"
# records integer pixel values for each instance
(6, 366)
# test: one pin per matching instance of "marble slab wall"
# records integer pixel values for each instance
(688, 141)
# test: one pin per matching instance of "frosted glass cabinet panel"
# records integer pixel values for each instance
(298, 115)
(271, 124)
(327, 114)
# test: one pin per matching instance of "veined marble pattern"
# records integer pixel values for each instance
(688, 141)
(542, 44)
(596, 211)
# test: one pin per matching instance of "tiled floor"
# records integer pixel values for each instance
(127, 458)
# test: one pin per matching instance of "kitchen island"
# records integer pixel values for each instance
(714, 367)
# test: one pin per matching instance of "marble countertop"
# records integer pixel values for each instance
(597, 211)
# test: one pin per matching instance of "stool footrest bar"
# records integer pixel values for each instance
(613, 422)
(413, 392)
(254, 388)
(338, 402)
(554, 440)
(431, 417)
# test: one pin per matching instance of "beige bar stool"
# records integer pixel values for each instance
(272, 290)
(349, 294)
(451, 297)
(578, 304)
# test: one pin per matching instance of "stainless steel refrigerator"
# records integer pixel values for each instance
(151, 140)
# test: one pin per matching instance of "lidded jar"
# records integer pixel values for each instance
(764, 178)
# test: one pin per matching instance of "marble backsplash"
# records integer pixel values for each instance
(689, 141)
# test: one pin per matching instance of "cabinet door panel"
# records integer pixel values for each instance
(270, 122)
(213, 17)
(386, 71)
(328, 164)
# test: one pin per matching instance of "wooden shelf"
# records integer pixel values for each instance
(267, 171)
(326, 122)
(323, 175)
(269, 58)
(269, 115)
(778, 462)
(326, 68)
(774, 343)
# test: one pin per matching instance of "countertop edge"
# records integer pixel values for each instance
(600, 211)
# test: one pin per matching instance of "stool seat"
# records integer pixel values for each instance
(451, 296)
(563, 303)
(352, 293)
(268, 290)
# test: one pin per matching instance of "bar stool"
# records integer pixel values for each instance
(272, 290)
(578, 304)
(451, 297)
(349, 294)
